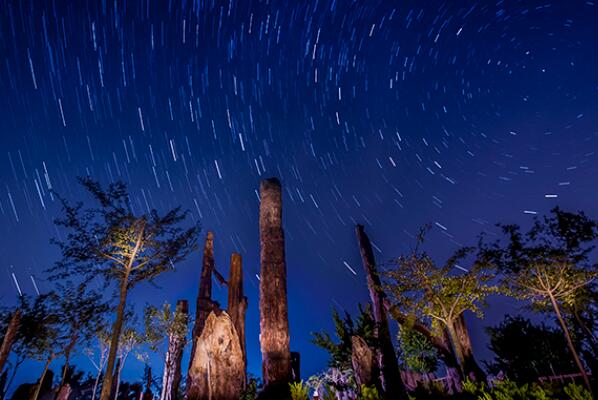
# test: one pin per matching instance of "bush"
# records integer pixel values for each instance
(299, 391)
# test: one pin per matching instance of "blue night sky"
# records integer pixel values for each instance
(392, 114)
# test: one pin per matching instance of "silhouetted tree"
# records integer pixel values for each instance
(112, 241)
(525, 351)
(548, 266)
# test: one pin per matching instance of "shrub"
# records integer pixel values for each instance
(299, 391)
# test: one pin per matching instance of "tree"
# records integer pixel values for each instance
(345, 328)
(421, 289)
(81, 312)
(102, 338)
(130, 341)
(121, 246)
(416, 351)
(548, 266)
(164, 323)
(525, 351)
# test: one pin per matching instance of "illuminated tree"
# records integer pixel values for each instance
(440, 294)
(548, 266)
(416, 351)
(124, 247)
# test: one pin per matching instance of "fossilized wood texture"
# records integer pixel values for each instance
(218, 364)
(390, 375)
(64, 393)
(237, 302)
(172, 365)
(274, 324)
(363, 360)
(204, 306)
(471, 369)
(9, 337)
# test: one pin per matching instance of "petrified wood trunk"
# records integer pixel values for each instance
(172, 365)
(205, 305)
(9, 337)
(218, 364)
(237, 302)
(64, 393)
(363, 360)
(274, 324)
(390, 374)
(471, 368)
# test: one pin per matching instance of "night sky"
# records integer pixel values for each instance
(393, 114)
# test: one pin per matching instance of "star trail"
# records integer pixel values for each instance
(390, 114)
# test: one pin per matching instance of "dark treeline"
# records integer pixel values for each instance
(548, 268)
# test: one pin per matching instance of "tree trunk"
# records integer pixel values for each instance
(116, 330)
(9, 337)
(441, 342)
(204, 306)
(218, 367)
(237, 302)
(38, 387)
(387, 360)
(274, 321)
(450, 328)
(471, 368)
(578, 362)
(172, 366)
(363, 361)
(119, 368)
(95, 384)
(64, 392)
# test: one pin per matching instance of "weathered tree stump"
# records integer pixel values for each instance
(363, 360)
(471, 369)
(64, 393)
(218, 366)
(274, 324)
(390, 374)
(205, 305)
(237, 302)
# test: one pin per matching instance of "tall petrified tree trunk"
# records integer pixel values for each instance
(172, 366)
(471, 368)
(237, 302)
(204, 306)
(387, 360)
(274, 324)
(9, 337)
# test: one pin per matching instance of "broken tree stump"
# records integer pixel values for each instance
(237, 302)
(218, 366)
(390, 374)
(172, 365)
(205, 305)
(471, 369)
(274, 324)
(363, 360)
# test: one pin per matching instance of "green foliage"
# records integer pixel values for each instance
(509, 390)
(161, 323)
(345, 328)
(111, 241)
(577, 392)
(420, 288)
(369, 393)
(299, 391)
(250, 391)
(416, 351)
(525, 351)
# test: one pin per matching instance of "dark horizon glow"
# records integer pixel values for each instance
(389, 114)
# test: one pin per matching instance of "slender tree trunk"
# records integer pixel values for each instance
(172, 365)
(237, 302)
(95, 384)
(116, 330)
(578, 362)
(120, 368)
(470, 366)
(387, 359)
(38, 387)
(9, 337)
